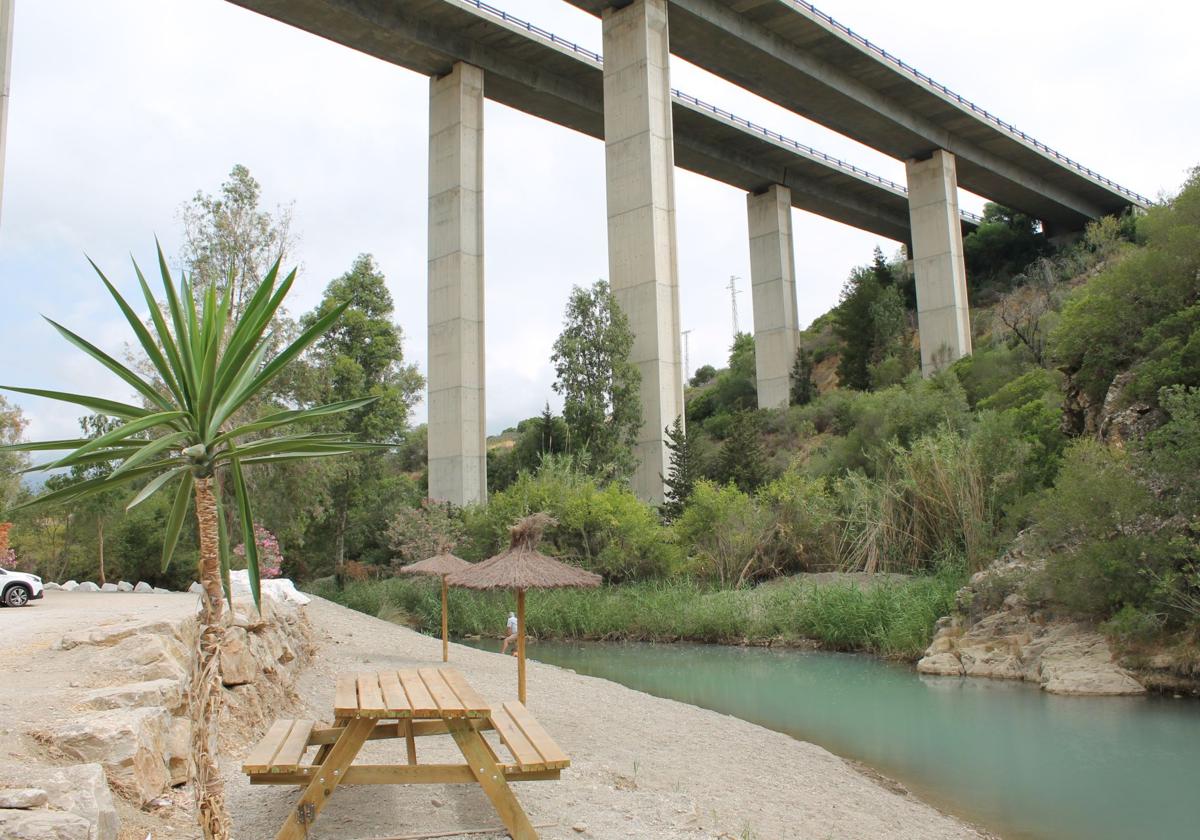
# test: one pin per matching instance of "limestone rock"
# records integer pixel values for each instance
(79, 789)
(88, 586)
(941, 664)
(70, 586)
(144, 657)
(106, 635)
(43, 825)
(164, 692)
(196, 589)
(22, 797)
(51, 585)
(142, 586)
(179, 745)
(124, 586)
(109, 587)
(1082, 663)
(131, 745)
(237, 662)
(160, 591)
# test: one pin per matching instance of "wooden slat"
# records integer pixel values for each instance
(401, 774)
(370, 697)
(259, 759)
(345, 697)
(448, 703)
(523, 752)
(537, 735)
(418, 695)
(292, 751)
(471, 699)
(394, 698)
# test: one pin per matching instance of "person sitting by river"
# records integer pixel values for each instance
(511, 638)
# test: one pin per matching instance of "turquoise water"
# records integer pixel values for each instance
(1017, 761)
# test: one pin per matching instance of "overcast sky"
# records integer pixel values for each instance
(122, 109)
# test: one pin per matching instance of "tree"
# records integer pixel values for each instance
(598, 382)
(742, 460)
(228, 241)
(209, 366)
(12, 426)
(1024, 309)
(803, 389)
(1001, 246)
(685, 469)
(852, 323)
(361, 356)
(97, 508)
(703, 375)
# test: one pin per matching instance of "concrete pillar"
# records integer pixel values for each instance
(457, 439)
(773, 282)
(639, 162)
(943, 317)
(6, 35)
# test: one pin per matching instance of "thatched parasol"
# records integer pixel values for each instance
(521, 566)
(442, 565)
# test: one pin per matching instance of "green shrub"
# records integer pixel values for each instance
(804, 527)
(725, 534)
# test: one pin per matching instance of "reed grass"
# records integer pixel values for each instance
(893, 618)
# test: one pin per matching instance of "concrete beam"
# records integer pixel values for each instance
(640, 174)
(457, 439)
(943, 316)
(6, 36)
(773, 283)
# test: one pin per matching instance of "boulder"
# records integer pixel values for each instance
(179, 746)
(109, 587)
(167, 693)
(124, 586)
(160, 591)
(941, 664)
(196, 588)
(145, 657)
(1080, 662)
(51, 585)
(106, 635)
(88, 586)
(237, 662)
(70, 586)
(130, 744)
(22, 797)
(79, 789)
(43, 825)
(142, 586)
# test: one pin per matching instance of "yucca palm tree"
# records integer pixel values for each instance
(186, 437)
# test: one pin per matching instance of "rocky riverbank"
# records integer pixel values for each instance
(1000, 630)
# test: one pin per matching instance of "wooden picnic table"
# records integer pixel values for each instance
(406, 704)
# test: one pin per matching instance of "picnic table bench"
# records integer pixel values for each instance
(406, 704)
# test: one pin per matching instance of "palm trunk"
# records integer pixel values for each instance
(205, 695)
(100, 544)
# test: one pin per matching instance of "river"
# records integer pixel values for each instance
(1017, 761)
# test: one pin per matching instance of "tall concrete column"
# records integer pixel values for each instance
(457, 438)
(773, 282)
(941, 275)
(6, 35)
(639, 161)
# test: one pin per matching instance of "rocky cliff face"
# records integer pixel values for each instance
(996, 632)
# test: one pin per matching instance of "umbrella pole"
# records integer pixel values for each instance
(445, 625)
(521, 645)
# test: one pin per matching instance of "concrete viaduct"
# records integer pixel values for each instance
(784, 50)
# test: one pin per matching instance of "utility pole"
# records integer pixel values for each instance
(733, 293)
(6, 37)
(687, 367)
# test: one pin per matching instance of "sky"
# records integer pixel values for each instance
(121, 110)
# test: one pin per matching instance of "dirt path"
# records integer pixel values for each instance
(642, 767)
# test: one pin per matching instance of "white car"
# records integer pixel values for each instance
(17, 588)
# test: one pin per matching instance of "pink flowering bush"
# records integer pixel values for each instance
(270, 555)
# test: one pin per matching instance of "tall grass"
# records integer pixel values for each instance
(892, 618)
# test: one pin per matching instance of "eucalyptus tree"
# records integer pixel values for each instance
(185, 438)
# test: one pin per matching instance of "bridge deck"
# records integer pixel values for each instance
(535, 72)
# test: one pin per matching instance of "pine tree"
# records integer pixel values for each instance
(743, 461)
(685, 469)
(803, 388)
